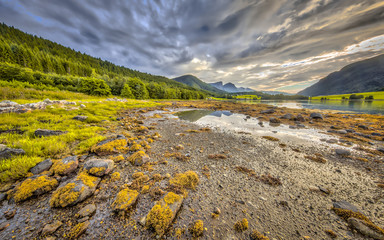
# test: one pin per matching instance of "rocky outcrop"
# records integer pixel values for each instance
(7, 106)
(6, 152)
(34, 186)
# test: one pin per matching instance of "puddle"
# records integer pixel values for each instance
(228, 121)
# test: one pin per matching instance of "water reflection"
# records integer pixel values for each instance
(195, 115)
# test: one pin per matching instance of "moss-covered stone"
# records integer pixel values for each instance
(188, 179)
(35, 186)
(138, 158)
(99, 167)
(77, 230)
(255, 235)
(242, 225)
(66, 165)
(125, 199)
(197, 229)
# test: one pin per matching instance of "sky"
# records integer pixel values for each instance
(282, 45)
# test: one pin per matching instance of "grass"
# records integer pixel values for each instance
(252, 97)
(376, 95)
(80, 136)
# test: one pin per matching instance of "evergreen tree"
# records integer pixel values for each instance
(126, 92)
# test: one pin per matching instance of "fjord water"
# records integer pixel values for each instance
(355, 106)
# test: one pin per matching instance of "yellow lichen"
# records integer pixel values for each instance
(29, 186)
(87, 179)
(157, 177)
(60, 168)
(255, 235)
(179, 232)
(118, 145)
(197, 229)
(124, 199)
(135, 147)
(96, 170)
(137, 175)
(330, 233)
(118, 158)
(137, 157)
(149, 140)
(115, 176)
(76, 230)
(171, 198)
(242, 225)
(159, 218)
(145, 189)
(188, 179)
(271, 138)
(64, 196)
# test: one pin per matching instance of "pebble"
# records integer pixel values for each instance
(4, 225)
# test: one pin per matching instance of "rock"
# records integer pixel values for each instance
(300, 125)
(125, 199)
(287, 116)
(381, 149)
(82, 106)
(34, 186)
(365, 230)
(350, 130)
(78, 230)
(346, 206)
(8, 103)
(83, 219)
(9, 214)
(324, 190)
(75, 191)
(300, 118)
(87, 211)
(7, 152)
(46, 132)
(99, 167)
(274, 120)
(341, 131)
(168, 206)
(47, 101)
(51, 228)
(363, 127)
(66, 165)
(3, 196)
(332, 140)
(343, 152)
(138, 158)
(268, 111)
(316, 116)
(80, 118)
(41, 167)
(4, 225)
(363, 135)
(292, 127)
(216, 210)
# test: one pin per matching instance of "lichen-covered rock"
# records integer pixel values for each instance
(76, 191)
(42, 166)
(163, 213)
(111, 146)
(138, 158)
(87, 211)
(77, 230)
(6, 152)
(125, 199)
(99, 167)
(66, 165)
(362, 227)
(46, 132)
(34, 186)
(51, 228)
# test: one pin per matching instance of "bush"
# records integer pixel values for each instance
(126, 92)
(93, 86)
(354, 96)
(138, 88)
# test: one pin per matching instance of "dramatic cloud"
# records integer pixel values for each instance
(263, 44)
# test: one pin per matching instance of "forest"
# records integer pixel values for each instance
(28, 60)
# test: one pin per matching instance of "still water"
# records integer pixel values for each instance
(358, 106)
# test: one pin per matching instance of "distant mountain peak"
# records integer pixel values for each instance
(195, 82)
(230, 87)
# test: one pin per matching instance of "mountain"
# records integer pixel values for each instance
(362, 76)
(277, 93)
(193, 81)
(230, 87)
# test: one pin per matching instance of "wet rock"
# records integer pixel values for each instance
(376, 134)
(87, 211)
(363, 127)
(34, 186)
(365, 230)
(42, 166)
(332, 141)
(268, 111)
(300, 118)
(346, 206)
(316, 116)
(51, 228)
(343, 152)
(274, 120)
(80, 118)
(99, 167)
(6, 152)
(9, 213)
(46, 132)
(4, 225)
(125, 199)
(287, 116)
(75, 191)
(66, 165)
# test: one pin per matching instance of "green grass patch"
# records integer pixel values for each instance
(375, 95)
(251, 97)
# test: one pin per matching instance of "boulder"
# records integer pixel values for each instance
(125, 199)
(138, 158)
(364, 127)
(51, 228)
(87, 211)
(66, 165)
(8, 103)
(78, 230)
(80, 118)
(287, 116)
(41, 167)
(75, 191)
(34, 186)
(316, 116)
(268, 111)
(346, 206)
(364, 229)
(343, 152)
(274, 120)
(300, 118)
(99, 167)
(46, 132)
(6, 152)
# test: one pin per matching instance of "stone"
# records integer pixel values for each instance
(287, 116)
(3, 196)
(341, 131)
(87, 210)
(51, 228)
(292, 127)
(346, 206)
(316, 116)
(376, 134)
(217, 210)
(343, 152)
(381, 149)
(82, 106)
(139, 158)
(300, 118)
(47, 101)
(83, 219)
(99, 167)
(80, 118)
(268, 111)
(10, 213)
(42, 166)
(8, 103)
(46, 132)
(78, 230)
(125, 199)
(66, 165)
(274, 120)
(332, 140)
(34, 186)
(365, 230)
(300, 125)
(363, 127)
(4, 225)
(7, 152)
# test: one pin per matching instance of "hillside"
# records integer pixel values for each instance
(41, 62)
(194, 82)
(230, 87)
(362, 76)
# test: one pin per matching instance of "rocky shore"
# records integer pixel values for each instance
(160, 177)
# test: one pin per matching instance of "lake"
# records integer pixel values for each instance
(358, 106)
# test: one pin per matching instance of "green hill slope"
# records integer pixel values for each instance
(194, 82)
